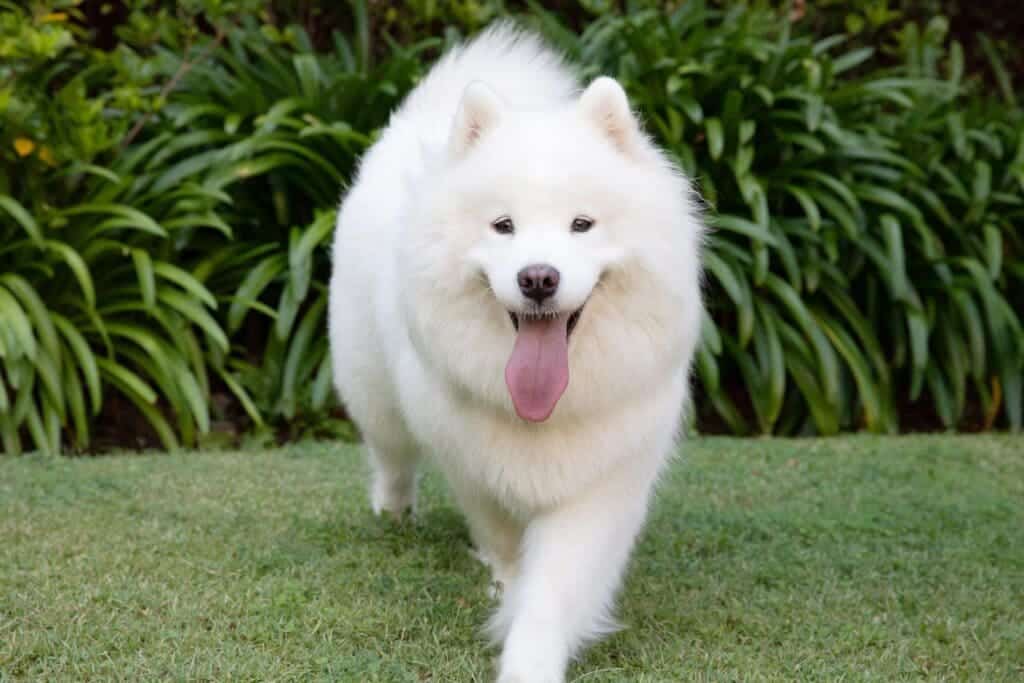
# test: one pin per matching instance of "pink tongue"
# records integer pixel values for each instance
(538, 369)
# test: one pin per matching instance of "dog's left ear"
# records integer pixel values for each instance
(604, 104)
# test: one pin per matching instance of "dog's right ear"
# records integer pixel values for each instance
(479, 111)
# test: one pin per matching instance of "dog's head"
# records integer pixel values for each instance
(541, 227)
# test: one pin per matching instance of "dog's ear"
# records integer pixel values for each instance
(604, 104)
(479, 111)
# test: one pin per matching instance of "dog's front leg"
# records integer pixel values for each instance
(573, 558)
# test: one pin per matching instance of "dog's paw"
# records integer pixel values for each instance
(393, 503)
(530, 678)
(533, 653)
(538, 664)
(398, 511)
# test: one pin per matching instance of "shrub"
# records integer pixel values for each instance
(866, 247)
(168, 205)
(94, 297)
(279, 128)
(129, 277)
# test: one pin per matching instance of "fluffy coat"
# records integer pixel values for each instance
(427, 307)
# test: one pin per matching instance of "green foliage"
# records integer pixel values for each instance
(865, 219)
(279, 128)
(167, 205)
(150, 276)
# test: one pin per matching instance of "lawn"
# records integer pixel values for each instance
(854, 559)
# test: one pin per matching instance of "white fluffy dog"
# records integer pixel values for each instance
(516, 291)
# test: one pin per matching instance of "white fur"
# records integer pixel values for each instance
(420, 331)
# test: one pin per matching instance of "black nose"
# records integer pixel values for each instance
(538, 282)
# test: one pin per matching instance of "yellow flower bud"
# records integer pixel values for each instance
(23, 146)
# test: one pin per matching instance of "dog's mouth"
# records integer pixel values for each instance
(537, 372)
(574, 318)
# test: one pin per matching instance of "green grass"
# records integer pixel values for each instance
(850, 559)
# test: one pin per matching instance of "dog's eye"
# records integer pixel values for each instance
(503, 226)
(582, 224)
